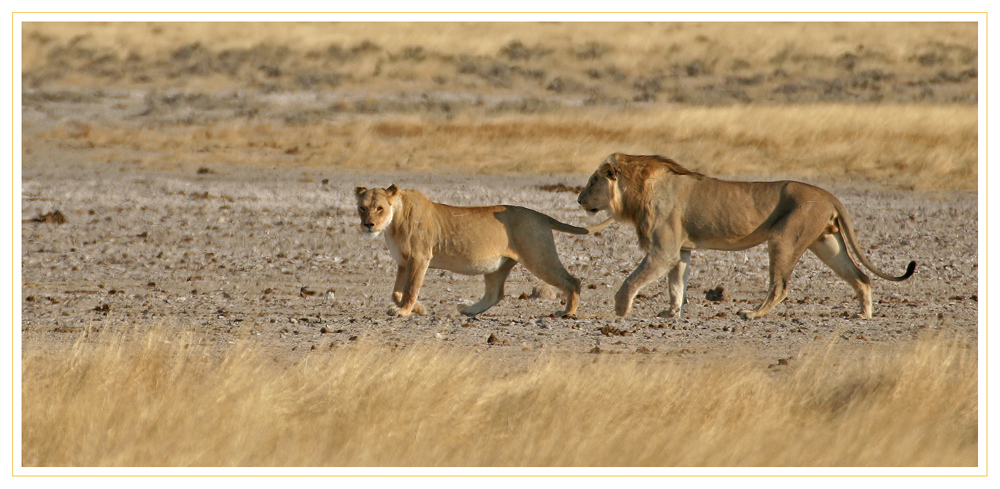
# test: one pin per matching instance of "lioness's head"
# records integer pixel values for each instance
(601, 192)
(375, 207)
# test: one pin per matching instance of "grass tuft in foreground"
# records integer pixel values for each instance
(165, 401)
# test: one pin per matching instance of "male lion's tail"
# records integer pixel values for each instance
(847, 231)
(571, 229)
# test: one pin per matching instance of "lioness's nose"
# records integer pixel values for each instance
(368, 224)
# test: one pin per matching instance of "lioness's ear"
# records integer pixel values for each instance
(392, 190)
(360, 189)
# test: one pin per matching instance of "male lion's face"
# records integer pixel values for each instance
(375, 207)
(600, 192)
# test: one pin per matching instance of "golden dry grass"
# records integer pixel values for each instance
(634, 44)
(925, 147)
(892, 103)
(162, 400)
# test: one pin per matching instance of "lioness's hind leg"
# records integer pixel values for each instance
(551, 271)
(494, 289)
(831, 250)
(538, 254)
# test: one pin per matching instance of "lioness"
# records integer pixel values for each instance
(675, 210)
(468, 240)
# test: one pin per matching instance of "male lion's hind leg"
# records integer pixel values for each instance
(831, 250)
(494, 290)
(783, 257)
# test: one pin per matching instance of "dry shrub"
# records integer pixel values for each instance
(164, 400)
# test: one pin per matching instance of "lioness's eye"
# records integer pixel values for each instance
(380, 208)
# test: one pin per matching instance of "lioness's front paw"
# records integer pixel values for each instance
(398, 311)
(419, 309)
(747, 314)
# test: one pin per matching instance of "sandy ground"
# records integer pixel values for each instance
(277, 256)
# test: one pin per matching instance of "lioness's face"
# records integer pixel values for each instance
(375, 208)
(599, 194)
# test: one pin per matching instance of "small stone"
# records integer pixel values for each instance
(718, 294)
(545, 292)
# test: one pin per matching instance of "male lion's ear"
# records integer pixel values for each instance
(609, 168)
(609, 171)
(360, 189)
(392, 190)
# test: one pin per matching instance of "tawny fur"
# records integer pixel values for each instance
(485, 241)
(675, 210)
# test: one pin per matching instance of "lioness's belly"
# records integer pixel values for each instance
(467, 265)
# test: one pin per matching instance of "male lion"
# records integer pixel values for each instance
(468, 240)
(675, 210)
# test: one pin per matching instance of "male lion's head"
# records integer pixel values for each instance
(601, 192)
(375, 207)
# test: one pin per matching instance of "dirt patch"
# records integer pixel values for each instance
(277, 257)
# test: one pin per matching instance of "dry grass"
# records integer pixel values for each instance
(893, 103)
(162, 400)
(634, 45)
(926, 147)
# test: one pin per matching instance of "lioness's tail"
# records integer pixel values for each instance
(569, 228)
(847, 230)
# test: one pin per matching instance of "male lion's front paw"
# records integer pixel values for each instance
(673, 312)
(623, 303)
(467, 309)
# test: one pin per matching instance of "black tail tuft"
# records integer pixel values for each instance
(909, 270)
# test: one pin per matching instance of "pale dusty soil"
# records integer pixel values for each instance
(277, 256)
